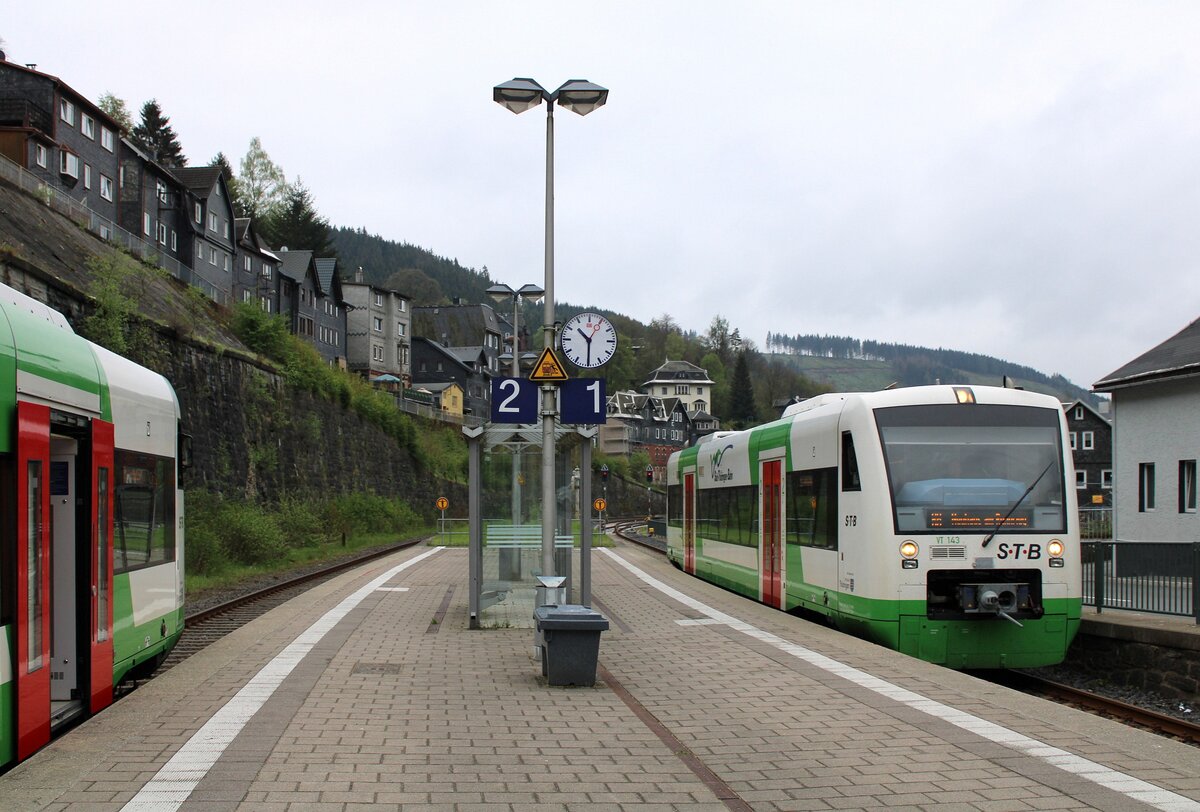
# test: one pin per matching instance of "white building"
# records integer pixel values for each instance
(680, 379)
(1156, 440)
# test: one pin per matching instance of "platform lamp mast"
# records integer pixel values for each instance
(582, 97)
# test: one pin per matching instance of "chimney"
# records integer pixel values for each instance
(358, 275)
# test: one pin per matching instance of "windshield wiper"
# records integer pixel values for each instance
(1017, 504)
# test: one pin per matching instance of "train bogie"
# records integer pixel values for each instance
(932, 520)
(91, 583)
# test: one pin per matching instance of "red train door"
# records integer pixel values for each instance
(689, 523)
(101, 569)
(33, 578)
(772, 546)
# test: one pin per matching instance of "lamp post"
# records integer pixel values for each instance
(582, 97)
(502, 294)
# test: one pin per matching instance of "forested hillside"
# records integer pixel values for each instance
(416, 272)
(866, 364)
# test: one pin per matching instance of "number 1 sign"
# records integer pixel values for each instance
(583, 401)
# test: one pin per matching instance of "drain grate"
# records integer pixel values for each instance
(375, 668)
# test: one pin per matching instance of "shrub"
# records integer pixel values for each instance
(301, 524)
(249, 535)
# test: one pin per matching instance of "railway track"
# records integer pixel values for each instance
(1029, 683)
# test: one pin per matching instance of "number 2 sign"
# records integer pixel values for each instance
(514, 400)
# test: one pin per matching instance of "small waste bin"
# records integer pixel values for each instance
(570, 636)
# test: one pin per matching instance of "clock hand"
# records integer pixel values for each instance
(586, 337)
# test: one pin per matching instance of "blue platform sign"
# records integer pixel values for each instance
(514, 400)
(582, 401)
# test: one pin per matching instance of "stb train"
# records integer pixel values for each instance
(939, 521)
(91, 531)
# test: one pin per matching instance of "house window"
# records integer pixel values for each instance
(1187, 486)
(199, 251)
(246, 262)
(66, 111)
(1106, 479)
(212, 221)
(162, 234)
(225, 228)
(265, 303)
(1081, 479)
(664, 391)
(225, 261)
(699, 390)
(41, 156)
(682, 389)
(173, 245)
(87, 176)
(1145, 487)
(379, 300)
(246, 296)
(402, 305)
(88, 125)
(376, 353)
(1089, 440)
(106, 138)
(106, 187)
(266, 271)
(1078, 412)
(212, 255)
(146, 223)
(68, 164)
(1072, 441)
(199, 213)
(377, 325)
(160, 189)
(400, 328)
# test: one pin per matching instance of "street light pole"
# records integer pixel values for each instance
(582, 97)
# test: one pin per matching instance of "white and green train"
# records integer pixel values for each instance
(940, 521)
(91, 538)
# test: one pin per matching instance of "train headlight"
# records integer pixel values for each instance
(1055, 548)
(909, 549)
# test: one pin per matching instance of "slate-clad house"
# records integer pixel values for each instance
(378, 330)
(331, 312)
(298, 289)
(153, 204)
(463, 325)
(1156, 440)
(256, 268)
(1090, 436)
(637, 422)
(434, 363)
(211, 243)
(60, 136)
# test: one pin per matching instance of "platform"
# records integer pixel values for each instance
(370, 691)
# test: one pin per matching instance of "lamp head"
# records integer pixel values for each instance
(519, 95)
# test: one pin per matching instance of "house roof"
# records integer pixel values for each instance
(78, 98)
(295, 264)
(326, 271)
(1176, 357)
(198, 179)
(1068, 406)
(678, 371)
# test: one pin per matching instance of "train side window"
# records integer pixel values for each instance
(850, 479)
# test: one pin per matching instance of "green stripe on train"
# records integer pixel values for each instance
(8, 722)
(137, 644)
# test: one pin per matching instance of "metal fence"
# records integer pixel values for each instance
(1144, 576)
(1095, 523)
(106, 229)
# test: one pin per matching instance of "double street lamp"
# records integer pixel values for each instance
(502, 294)
(582, 97)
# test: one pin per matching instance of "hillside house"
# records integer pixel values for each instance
(210, 236)
(1156, 440)
(1090, 436)
(463, 325)
(60, 137)
(682, 380)
(378, 330)
(256, 278)
(153, 204)
(433, 363)
(637, 422)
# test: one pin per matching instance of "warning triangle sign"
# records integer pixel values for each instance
(548, 369)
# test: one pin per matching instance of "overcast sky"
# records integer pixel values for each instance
(1015, 179)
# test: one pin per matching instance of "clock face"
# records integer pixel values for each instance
(588, 340)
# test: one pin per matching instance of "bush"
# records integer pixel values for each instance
(249, 535)
(301, 524)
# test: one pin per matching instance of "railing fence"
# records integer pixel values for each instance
(1144, 576)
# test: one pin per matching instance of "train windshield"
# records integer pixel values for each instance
(974, 468)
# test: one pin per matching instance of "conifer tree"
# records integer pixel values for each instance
(742, 410)
(296, 224)
(154, 135)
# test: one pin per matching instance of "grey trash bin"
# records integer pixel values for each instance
(570, 636)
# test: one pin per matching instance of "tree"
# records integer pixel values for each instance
(416, 285)
(297, 225)
(263, 184)
(154, 135)
(117, 110)
(743, 412)
(231, 182)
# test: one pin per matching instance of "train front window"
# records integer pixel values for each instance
(977, 468)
